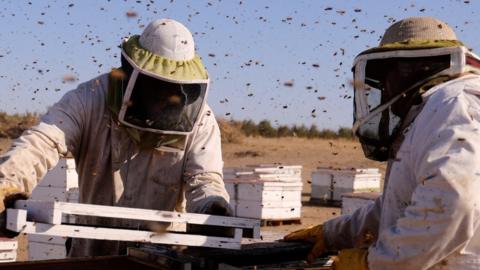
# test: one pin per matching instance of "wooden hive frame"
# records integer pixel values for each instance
(45, 218)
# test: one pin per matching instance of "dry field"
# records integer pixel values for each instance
(310, 153)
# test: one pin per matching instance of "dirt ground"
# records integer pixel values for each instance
(310, 153)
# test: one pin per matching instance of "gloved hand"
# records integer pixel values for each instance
(351, 259)
(7, 200)
(217, 207)
(313, 235)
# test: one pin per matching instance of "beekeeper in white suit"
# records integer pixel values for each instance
(417, 105)
(142, 136)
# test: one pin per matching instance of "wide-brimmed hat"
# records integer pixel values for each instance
(417, 33)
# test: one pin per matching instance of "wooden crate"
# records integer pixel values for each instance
(330, 184)
(353, 201)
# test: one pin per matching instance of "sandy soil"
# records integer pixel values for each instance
(310, 153)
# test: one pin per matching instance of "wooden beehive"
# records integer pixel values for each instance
(59, 184)
(353, 201)
(265, 192)
(329, 184)
(8, 250)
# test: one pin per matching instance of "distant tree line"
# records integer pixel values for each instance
(265, 129)
(12, 126)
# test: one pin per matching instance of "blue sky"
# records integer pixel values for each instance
(251, 49)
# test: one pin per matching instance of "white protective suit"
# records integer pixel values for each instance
(428, 216)
(111, 168)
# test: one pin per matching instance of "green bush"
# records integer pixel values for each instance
(284, 131)
(249, 128)
(345, 133)
(328, 134)
(301, 131)
(313, 132)
(265, 129)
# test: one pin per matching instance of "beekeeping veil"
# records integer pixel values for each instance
(168, 85)
(413, 53)
(163, 86)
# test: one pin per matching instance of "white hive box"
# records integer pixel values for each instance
(59, 184)
(8, 250)
(353, 201)
(265, 191)
(63, 175)
(329, 184)
(265, 172)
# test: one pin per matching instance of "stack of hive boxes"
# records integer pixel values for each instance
(59, 184)
(329, 184)
(267, 192)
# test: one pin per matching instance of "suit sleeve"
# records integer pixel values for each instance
(356, 230)
(203, 175)
(39, 148)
